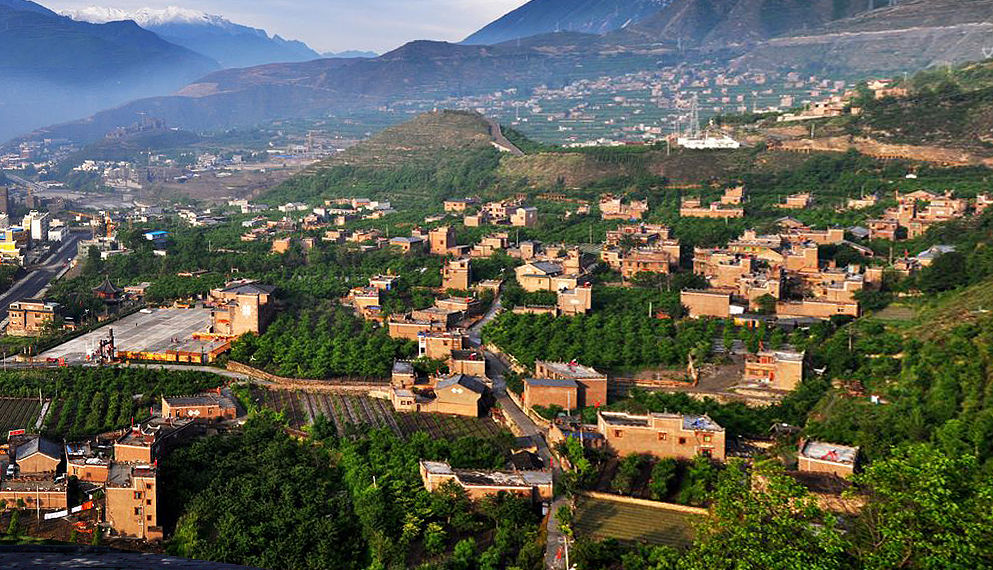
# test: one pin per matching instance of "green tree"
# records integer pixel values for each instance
(925, 509)
(766, 520)
(663, 474)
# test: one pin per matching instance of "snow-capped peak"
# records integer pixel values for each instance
(146, 17)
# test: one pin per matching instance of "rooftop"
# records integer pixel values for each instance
(832, 452)
(468, 382)
(38, 445)
(201, 400)
(476, 478)
(248, 288)
(403, 367)
(571, 369)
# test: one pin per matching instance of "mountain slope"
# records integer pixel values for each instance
(232, 45)
(716, 24)
(54, 68)
(544, 16)
(911, 35)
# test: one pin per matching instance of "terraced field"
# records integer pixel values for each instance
(353, 412)
(18, 413)
(633, 523)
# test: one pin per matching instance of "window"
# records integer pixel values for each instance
(137, 495)
(663, 436)
(682, 441)
(148, 517)
(707, 438)
(618, 433)
(137, 510)
(148, 501)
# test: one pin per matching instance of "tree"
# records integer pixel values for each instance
(434, 538)
(766, 304)
(948, 271)
(925, 509)
(663, 473)
(766, 520)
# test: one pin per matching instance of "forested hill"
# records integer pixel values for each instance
(948, 107)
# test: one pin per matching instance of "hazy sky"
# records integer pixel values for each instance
(337, 25)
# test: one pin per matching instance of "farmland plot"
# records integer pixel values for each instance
(354, 412)
(634, 523)
(18, 413)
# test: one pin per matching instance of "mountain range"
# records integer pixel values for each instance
(230, 44)
(55, 68)
(847, 38)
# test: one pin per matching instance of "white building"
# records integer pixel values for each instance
(37, 224)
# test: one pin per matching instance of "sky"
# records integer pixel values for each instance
(338, 25)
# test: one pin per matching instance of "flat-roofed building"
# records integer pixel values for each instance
(411, 329)
(202, 407)
(779, 369)
(457, 274)
(662, 435)
(816, 308)
(132, 501)
(477, 484)
(36, 491)
(592, 384)
(649, 260)
(403, 374)
(830, 458)
(578, 301)
(437, 315)
(441, 240)
(91, 469)
(439, 345)
(797, 201)
(30, 317)
(467, 362)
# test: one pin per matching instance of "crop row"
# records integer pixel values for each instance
(362, 412)
(18, 413)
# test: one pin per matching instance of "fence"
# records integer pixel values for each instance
(643, 502)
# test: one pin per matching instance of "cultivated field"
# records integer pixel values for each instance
(18, 413)
(633, 523)
(352, 412)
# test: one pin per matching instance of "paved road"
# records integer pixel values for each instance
(39, 277)
(497, 133)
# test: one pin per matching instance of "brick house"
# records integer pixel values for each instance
(203, 407)
(592, 384)
(548, 392)
(819, 457)
(662, 435)
(457, 274)
(37, 492)
(467, 362)
(441, 240)
(38, 455)
(241, 307)
(132, 501)
(578, 301)
(477, 484)
(781, 370)
(439, 345)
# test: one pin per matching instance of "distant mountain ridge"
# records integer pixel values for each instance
(586, 16)
(230, 44)
(55, 69)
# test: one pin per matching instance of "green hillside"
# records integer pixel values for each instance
(951, 107)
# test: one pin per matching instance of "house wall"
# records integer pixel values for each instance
(133, 454)
(205, 412)
(702, 304)
(133, 511)
(92, 473)
(808, 465)
(662, 439)
(46, 500)
(468, 367)
(565, 397)
(38, 463)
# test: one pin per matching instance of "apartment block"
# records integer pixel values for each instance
(30, 316)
